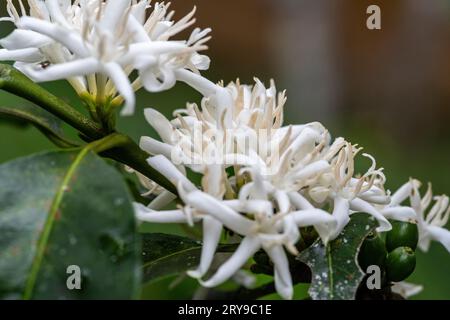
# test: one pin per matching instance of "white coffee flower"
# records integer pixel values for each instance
(287, 158)
(198, 137)
(213, 183)
(348, 193)
(263, 224)
(260, 227)
(293, 159)
(431, 221)
(152, 188)
(97, 45)
(248, 133)
(395, 210)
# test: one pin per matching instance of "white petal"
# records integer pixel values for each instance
(299, 201)
(283, 279)
(399, 213)
(440, 235)
(406, 289)
(363, 206)
(325, 232)
(70, 40)
(223, 100)
(424, 240)
(159, 30)
(211, 206)
(7, 19)
(259, 190)
(375, 198)
(416, 203)
(138, 11)
(403, 192)
(155, 147)
(283, 202)
(54, 10)
(24, 39)
(199, 83)
(167, 169)
(144, 54)
(162, 200)
(30, 55)
(246, 249)
(341, 214)
(123, 86)
(250, 206)
(212, 181)
(113, 13)
(291, 232)
(245, 279)
(212, 230)
(145, 214)
(135, 27)
(305, 142)
(201, 62)
(164, 79)
(239, 160)
(319, 194)
(160, 123)
(64, 70)
(313, 217)
(312, 169)
(39, 8)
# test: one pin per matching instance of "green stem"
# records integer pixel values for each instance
(109, 142)
(15, 82)
(127, 152)
(130, 154)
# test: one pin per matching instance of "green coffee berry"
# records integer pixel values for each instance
(372, 252)
(403, 234)
(400, 263)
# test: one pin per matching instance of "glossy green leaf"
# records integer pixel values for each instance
(165, 255)
(335, 271)
(61, 209)
(41, 119)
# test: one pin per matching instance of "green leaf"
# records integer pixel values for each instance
(166, 255)
(47, 123)
(60, 209)
(335, 271)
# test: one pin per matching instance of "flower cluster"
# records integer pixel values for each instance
(263, 181)
(97, 45)
(291, 177)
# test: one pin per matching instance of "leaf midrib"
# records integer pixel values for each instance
(223, 248)
(174, 254)
(45, 235)
(330, 271)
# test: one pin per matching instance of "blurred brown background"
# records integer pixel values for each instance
(332, 65)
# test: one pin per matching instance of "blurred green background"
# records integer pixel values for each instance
(387, 90)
